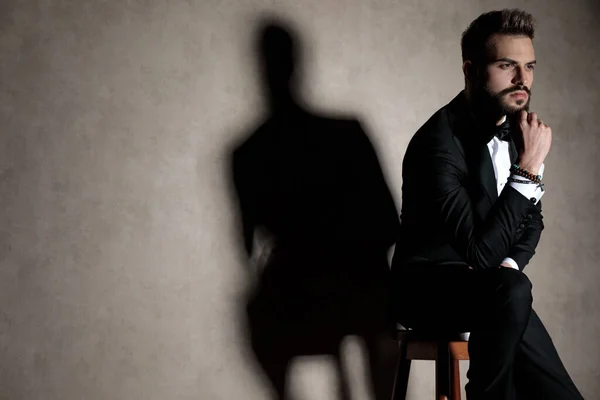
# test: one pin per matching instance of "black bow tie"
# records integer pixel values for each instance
(502, 131)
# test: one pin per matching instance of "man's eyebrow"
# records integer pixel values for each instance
(511, 61)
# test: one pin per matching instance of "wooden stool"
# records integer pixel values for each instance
(446, 349)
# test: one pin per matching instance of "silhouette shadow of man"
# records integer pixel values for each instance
(314, 186)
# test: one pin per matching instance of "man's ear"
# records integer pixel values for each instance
(469, 71)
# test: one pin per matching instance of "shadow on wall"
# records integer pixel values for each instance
(317, 214)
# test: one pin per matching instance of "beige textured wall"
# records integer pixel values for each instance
(119, 275)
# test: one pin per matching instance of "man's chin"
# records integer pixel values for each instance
(515, 108)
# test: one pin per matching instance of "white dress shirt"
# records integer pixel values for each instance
(501, 160)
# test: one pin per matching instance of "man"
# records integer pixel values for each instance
(471, 218)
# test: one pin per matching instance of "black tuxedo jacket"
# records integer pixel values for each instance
(451, 211)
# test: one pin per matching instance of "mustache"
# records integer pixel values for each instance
(518, 88)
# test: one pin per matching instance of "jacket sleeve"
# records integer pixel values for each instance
(524, 249)
(437, 174)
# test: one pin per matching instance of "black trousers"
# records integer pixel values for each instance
(512, 356)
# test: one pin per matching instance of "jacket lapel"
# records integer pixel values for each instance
(473, 145)
(487, 178)
(512, 151)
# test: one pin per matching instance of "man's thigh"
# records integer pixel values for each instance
(452, 298)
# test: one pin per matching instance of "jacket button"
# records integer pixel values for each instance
(533, 200)
(519, 230)
(529, 217)
(522, 226)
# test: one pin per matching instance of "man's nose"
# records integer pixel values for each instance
(520, 77)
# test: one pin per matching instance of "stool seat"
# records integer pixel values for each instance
(445, 348)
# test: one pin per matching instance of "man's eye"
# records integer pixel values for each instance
(505, 66)
(531, 67)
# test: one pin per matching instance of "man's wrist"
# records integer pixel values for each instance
(532, 167)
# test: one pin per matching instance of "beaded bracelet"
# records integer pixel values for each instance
(526, 174)
(522, 181)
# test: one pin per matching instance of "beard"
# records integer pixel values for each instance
(495, 105)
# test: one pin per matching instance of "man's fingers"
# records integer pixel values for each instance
(532, 118)
(523, 117)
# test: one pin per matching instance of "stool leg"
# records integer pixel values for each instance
(455, 379)
(402, 373)
(442, 372)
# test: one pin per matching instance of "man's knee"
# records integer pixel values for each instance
(513, 294)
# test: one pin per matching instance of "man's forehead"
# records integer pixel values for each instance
(515, 47)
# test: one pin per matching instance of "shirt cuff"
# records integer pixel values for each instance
(512, 263)
(529, 190)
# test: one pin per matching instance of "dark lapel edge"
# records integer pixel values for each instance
(475, 152)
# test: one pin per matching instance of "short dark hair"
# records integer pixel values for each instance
(475, 38)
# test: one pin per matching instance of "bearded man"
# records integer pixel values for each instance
(472, 217)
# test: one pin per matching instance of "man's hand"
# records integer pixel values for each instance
(536, 139)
